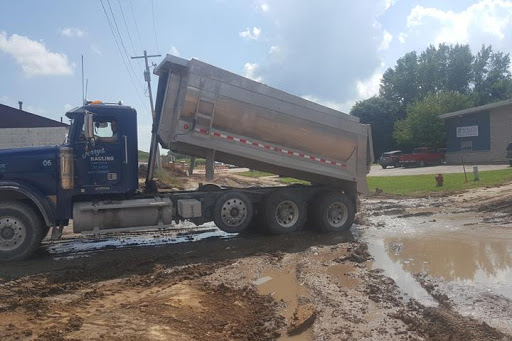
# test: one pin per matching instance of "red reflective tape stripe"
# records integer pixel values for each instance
(277, 149)
(203, 131)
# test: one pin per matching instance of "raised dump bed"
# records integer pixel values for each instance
(208, 112)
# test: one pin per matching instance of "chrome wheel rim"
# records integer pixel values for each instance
(337, 214)
(12, 233)
(233, 212)
(287, 213)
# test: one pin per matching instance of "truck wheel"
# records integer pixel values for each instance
(334, 212)
(284, 212)
(233, 212)
(20, 231)
(384, 167)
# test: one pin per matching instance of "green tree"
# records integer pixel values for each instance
(491, 76)
(400, 84)
(381, 114)
(422, 126)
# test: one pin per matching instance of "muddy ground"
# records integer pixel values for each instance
(435, 268)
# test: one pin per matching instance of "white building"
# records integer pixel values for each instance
(19, 128)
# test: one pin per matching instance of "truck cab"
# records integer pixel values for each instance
(40, 185)
(107, 162)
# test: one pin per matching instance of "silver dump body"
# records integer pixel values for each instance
(205, 110)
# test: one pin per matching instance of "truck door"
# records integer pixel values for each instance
(99, 164)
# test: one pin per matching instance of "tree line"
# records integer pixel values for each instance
(420, 87)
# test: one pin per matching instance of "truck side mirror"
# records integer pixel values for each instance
(89, 126)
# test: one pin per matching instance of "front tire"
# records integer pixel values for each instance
(334, 212)
(21, 231)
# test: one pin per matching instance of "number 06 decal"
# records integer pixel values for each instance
(47, 163)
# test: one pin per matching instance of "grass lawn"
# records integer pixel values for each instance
(255, 174)
(418, 184)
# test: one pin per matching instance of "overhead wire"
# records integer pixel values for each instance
(121, 40)
(154, 25)
(126, 26)
(121, 54)
(136, 25)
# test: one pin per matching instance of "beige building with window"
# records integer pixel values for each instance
(479, 134)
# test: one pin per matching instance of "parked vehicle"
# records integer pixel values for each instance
(509, 153)
(201, 111)
(422, 156)
(390, 159)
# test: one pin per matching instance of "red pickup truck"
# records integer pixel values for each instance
(421, 157)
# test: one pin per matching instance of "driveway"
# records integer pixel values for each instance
(444, 169)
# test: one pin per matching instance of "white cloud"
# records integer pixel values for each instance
(273, 49)
(252, 34)
(484, 20)
(401, 37)
(389, 3)
(386, 40)
(33, 57)
(250, 70)
(72, 32)
(174, 51)
(369, 87)
(264, 7)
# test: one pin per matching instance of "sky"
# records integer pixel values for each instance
(333, 52)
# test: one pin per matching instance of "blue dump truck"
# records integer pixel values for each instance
(91, 181)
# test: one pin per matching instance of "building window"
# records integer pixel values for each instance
(466, 146)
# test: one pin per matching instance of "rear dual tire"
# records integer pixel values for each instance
(284, 212)
(334, 212)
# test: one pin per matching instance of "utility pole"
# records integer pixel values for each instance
(154, 151)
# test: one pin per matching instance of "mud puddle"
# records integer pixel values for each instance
(85, 245)
(455, 260)
(284, 287)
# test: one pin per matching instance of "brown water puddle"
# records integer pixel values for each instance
(474, 255)
(451, 250)
(341, 274)
(283, 286)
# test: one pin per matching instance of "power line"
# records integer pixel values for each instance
(126, 25)
(120, 52)
(121, 38)
(134, 73)
(136, 25)
(154, 25)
